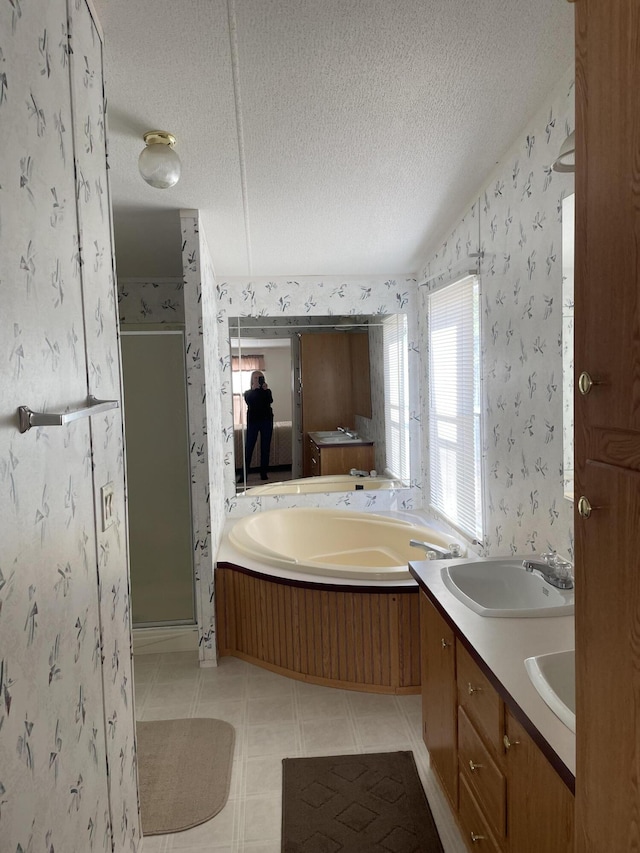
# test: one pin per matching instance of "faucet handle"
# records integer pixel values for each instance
(563, 568)
(549, 558)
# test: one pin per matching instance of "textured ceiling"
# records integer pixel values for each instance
(318, 136)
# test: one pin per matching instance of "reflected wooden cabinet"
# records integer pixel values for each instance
(339, 459)
(335, 385)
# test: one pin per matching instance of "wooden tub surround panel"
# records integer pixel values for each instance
(349, 637)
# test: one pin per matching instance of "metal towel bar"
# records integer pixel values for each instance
(29, 419)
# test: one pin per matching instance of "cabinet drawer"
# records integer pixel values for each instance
(475, 830)
(479, 699)
(482, 773)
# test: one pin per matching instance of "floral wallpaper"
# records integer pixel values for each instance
(512, 234)
(309, 296)
(143, 301)
(205, 421)
(68, 774)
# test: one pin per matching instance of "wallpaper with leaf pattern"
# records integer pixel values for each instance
(205, 421)
(68, 775)
(515, 226)
(145, 301)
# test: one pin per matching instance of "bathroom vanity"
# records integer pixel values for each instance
(329, 453)
(505, 762)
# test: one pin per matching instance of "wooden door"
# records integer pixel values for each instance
(539, 804)
(439, 695)
(607, 424)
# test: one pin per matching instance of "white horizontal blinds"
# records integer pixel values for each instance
(396, 395)
(454, 405)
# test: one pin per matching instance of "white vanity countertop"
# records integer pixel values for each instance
(503, 644)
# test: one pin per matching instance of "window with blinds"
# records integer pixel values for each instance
(455, 443)
(396, 395)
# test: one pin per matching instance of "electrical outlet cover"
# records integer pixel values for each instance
(107, 501)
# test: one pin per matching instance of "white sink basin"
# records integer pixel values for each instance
(554, 677)
(337, 439)
(504, 588)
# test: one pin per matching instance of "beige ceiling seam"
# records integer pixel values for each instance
(235, 73)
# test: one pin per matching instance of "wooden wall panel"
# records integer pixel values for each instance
(364, 640)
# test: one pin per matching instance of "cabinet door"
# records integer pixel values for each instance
(439, 695)
(340, 460)
(607, 423)
(607, 655)
(539, 804)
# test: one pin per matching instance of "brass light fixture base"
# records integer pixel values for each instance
(162, 137)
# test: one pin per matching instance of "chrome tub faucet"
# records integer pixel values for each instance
(437, 552)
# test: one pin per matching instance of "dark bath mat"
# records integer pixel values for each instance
(355, 803)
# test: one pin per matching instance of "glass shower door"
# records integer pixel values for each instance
(158, 478)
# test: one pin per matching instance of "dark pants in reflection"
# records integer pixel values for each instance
(265, 429)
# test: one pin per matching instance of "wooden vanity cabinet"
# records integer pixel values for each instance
(480, 723)
(438, 662)
(339, 458)
(539, 805)
(505, 794)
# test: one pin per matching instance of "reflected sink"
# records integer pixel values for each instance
(332, 437)
(554, 677)
(504, 588)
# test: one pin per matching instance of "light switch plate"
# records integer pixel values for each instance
(107, 501)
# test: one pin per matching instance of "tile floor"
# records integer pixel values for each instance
(274, 717)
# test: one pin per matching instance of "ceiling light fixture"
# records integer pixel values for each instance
(158, 163)
(566, 160)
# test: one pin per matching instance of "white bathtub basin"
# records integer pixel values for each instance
(332, 542)
(324, 483)
(554, 677)
(501, 587)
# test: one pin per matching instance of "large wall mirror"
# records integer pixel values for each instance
(341, 381)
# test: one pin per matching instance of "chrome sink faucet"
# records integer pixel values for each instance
(350, 433)
(440, 553)
(554, 570)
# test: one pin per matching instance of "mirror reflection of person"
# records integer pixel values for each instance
(259, 421)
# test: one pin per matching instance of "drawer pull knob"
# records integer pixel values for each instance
(475, 837)
(471, 689)
(509, 743)
(444, 643)
(473, 766)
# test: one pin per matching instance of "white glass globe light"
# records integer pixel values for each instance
(158, 163)
(566, 161)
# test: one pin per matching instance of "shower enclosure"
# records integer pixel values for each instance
(158, 477)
